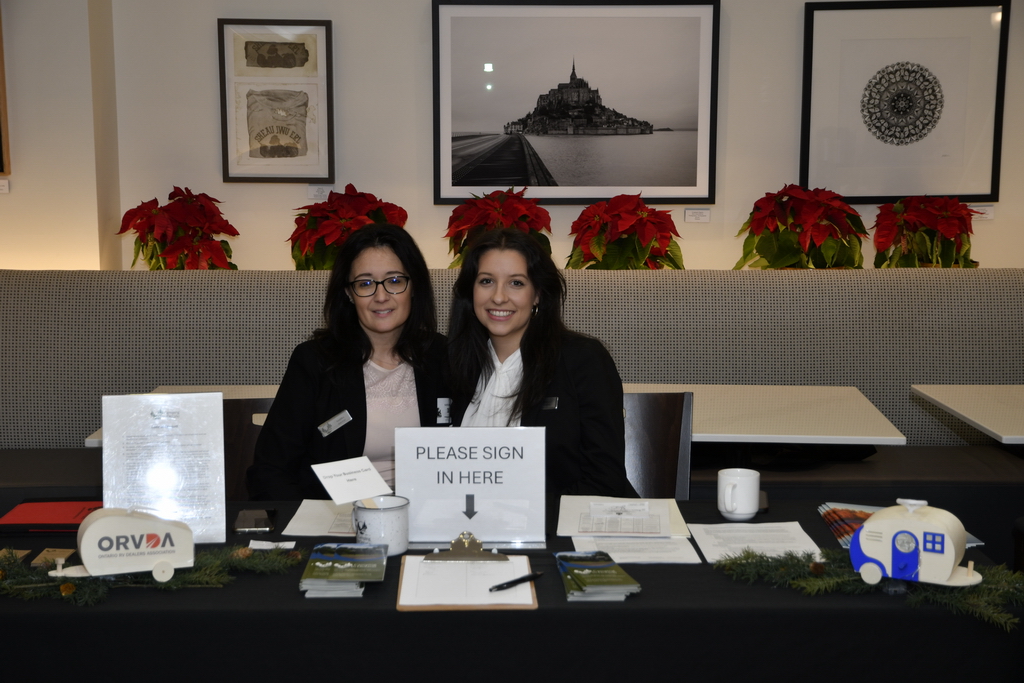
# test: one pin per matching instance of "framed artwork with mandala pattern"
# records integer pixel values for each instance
(904, 98)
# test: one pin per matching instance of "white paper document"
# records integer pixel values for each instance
(321, 518)
(271, 545)
(351, 479)
(627, 517)
(164, 454)
(463, 583)
(641, 550)
(777, 538)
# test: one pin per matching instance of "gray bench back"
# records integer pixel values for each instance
(69, 337)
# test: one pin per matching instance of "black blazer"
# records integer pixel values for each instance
(585, 434)
(310, 395)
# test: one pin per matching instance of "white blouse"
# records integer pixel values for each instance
(492, 404)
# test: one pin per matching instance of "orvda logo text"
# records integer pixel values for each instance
(134, 542)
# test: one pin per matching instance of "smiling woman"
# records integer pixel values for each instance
(513, 362)
(377, 364)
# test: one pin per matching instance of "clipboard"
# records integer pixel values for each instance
(459, 579)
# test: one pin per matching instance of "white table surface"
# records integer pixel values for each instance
(996, 409)
(230, 391)
(783, 414)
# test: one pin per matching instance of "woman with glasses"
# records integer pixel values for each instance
(513, 362)
(375, 365)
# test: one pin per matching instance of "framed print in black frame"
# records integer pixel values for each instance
(579, 101)
(276, 100)
(904, 98)
(5, 154)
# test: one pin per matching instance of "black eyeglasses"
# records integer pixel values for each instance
(396, 284)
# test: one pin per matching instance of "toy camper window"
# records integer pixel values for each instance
(934, 543)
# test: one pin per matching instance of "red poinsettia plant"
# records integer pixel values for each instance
(180, 234)
(917, 231)
(323, 227)
(495, 211)
(624, 233)
(800, 228)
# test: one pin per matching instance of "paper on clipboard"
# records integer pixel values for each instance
(463, 585)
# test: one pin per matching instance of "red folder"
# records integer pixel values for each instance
(53, 516)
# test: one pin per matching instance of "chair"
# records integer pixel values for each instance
(240, 433)
(658, 433)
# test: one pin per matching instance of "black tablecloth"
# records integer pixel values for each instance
(688, 620)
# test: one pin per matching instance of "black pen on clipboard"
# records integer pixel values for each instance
(515, 582)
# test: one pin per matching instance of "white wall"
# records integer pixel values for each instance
(168, 126)
(49, 219)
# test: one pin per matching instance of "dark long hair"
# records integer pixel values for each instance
(467, 346)
(341, 322)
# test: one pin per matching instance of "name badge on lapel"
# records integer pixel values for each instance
(444, 411)
(335, 423)
(550, 403)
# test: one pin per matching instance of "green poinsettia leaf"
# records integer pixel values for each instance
(787, 252)
(830, 249)
(856, 249)
(614, 257)
(640, 253)
(575, 260)
(758, 264)
(947, 252)
(921, 246)
(749, 243)
(768, 245)
(598, 246)
(674, 258)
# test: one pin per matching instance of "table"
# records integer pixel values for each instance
(995, 409)
(783, 414)
(721, 412)
(687, 619)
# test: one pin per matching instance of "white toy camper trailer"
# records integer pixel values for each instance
(119, 541)
(913, 542)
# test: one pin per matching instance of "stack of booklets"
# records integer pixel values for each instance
(594, 576)
(340, 570)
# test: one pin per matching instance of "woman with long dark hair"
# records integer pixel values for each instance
(513, 362)
(377, 364)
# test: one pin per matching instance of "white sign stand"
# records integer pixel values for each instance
(486, 480)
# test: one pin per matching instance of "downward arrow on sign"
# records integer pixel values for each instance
(469, 511)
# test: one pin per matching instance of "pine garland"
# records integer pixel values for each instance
(211, 569)
(988, 600)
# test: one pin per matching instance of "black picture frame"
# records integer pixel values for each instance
(5, 151)
(277, 100)
(904, 98)
(664, 117)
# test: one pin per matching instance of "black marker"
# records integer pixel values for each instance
(516, 582)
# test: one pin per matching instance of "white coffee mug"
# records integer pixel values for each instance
(739, 492)
(387, 523)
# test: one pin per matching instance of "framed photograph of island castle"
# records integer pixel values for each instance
(578, 101)
(276, 101)
(904, 98)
